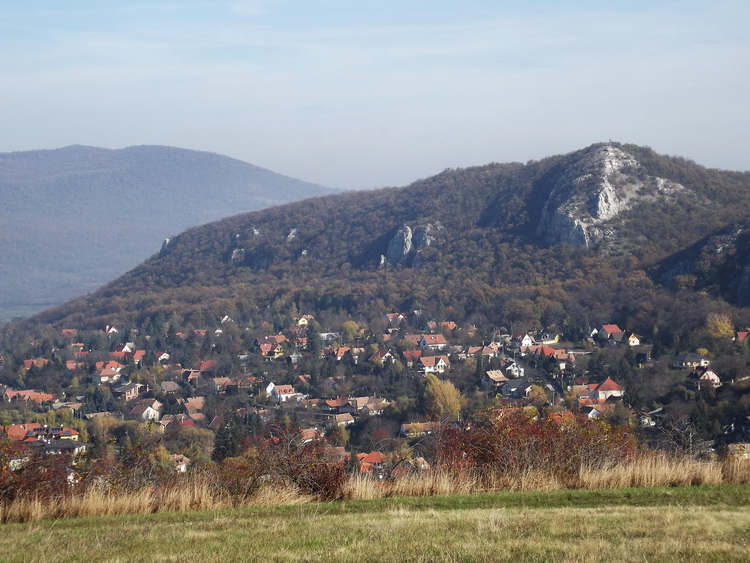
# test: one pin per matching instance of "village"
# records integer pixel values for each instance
(364, 392)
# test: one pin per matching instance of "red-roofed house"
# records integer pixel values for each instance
(433, 342)
(411, 357)
(281, 393)
(434, 364)
(606, 389)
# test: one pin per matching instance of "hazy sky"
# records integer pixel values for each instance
(357, 94)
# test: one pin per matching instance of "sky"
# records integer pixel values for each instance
(362, 94)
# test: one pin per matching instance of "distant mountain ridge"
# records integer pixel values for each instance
(76, 217)
(545, 242)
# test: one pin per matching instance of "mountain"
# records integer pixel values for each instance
(561, 240)
(77, 217)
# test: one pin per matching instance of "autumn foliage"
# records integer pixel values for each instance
(515, 441)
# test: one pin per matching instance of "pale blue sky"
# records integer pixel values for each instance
(359, 94)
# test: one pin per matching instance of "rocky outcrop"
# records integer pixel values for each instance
(165, 247)
(399, 248)
(589, 196)
(407, 243)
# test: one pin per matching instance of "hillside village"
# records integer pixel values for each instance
(374, 394)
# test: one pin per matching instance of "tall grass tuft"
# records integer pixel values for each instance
(653, 471)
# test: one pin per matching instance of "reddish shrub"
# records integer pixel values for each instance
(518, 440)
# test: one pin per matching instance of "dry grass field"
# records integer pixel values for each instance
(651, 524)
(199, 492)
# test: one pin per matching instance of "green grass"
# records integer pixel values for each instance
(706, 523)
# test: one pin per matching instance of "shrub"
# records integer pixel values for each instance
(519, 441)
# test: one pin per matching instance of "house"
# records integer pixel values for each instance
(338, 406)
(521, 341)
(370, 463)
(703, 377)
(418, 429)
(17, 432)
(342, 419)
(433, 364)
(194, 405)
(27, 396)
(561, 357)
(395, 318)
(181, 463)
(138, 356)
(607, 332)
(106, 375)
(207, 365)
(128, 392)
(73, 407)
(219, 384)
(381, 357)
(631, 339)
(549, 336)
(169, 387)
(56, 447)
(690, 360)
(304, 320)
(493, 380)
(511, 368)
(486, 352)
(606, 389)
(144, 412)
(185, 375)
(107, 372)
(434, 342)
(270, 347)
(51, 433)
(281, 393)
(329, 337)
(375, 407)
(516, 388)
(411, 357)
(153, 403)
(341, 352)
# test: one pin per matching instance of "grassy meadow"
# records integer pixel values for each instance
(709, 523)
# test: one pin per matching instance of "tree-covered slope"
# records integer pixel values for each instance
(75, 218)
(550, 241)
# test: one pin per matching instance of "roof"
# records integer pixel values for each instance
(434, 339)
(609, 384)
(432, 361)
(138, 410)
(338, 402)
(168, 386)
(496, 375)
(372, 457)
(411, 355)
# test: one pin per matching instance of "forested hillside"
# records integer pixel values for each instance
(75, 218)
(571, 239)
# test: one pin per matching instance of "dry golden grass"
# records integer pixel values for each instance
(199, 493)
(424, 529)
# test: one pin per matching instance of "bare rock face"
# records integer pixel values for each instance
(407, 243)
(166, 246)
(400, 245)
(589, 196)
